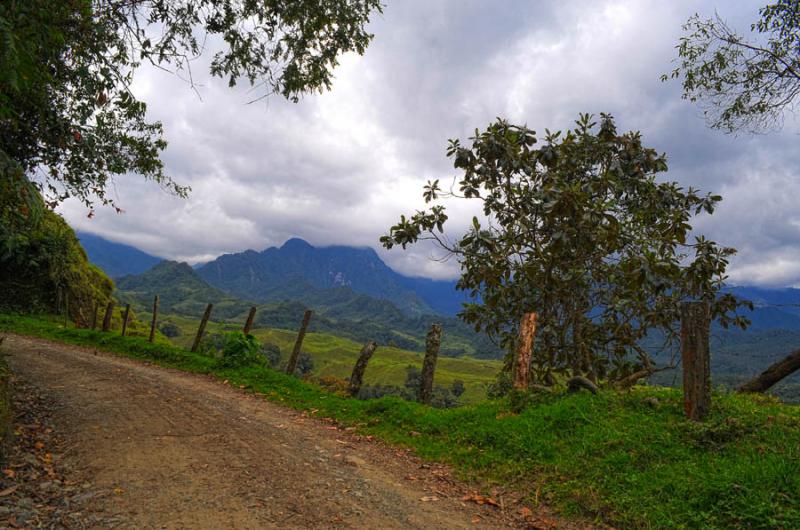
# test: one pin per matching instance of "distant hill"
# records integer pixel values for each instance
(115, 259)
(279, 273)
(339, 311)
(180, 291)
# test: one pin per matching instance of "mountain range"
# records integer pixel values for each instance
(355, 294)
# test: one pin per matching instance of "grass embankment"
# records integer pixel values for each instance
(335, 356)
(614, 456)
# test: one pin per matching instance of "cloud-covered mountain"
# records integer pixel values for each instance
(116, 259)
(288, 271)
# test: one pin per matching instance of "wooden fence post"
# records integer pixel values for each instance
(108, 315)
(695, 357)
(154, 321)
(125, 316)
(202, 328)
(432, 343)
(66, 308)
(94, 315)
(522, 360)
(249, 324)
(357, 378)
(292, 364)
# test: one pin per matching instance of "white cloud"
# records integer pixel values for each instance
(340, 167)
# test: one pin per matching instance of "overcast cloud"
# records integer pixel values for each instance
(339, 168)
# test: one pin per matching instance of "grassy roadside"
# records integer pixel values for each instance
(613, 457)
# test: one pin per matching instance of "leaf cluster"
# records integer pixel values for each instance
(577, 228)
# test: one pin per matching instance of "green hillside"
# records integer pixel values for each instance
(335, 356)
(339, 311)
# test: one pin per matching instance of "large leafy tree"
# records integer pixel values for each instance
(68, 119)
(743, 82)
(578, 229)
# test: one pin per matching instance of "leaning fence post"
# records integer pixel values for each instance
(94, 315)
(154, 321)
(292, 364)
(125, 316)
(66, 308)
(695, 357)
(522, 360)
(249, 324)
(432, 342)
(202, 328)
(361, 365)
(107, 317)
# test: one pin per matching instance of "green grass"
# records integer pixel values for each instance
(610, 457)
(335, 356)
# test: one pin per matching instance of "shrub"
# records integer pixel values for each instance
(240, 350)
(272, 353)
(169, 329)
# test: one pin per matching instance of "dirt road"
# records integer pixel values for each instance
(177, 450)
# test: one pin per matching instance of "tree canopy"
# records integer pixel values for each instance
(743, 82)
(68, 119)
(578, 229)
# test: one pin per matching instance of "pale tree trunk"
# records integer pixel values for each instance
(522, 360)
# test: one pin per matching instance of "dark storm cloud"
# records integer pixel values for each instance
(340, 167)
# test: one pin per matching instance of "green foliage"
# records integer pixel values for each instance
(66, 68)
(42, 264)
(272, 353)
(305, 363)
(240, 350)
(610, 456)
(169, 329)
(743, 83)
(578, 230)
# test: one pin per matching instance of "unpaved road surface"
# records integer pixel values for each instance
(174, 450)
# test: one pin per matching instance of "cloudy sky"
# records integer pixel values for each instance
(340, 167)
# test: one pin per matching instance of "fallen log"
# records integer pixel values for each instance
(769, 377)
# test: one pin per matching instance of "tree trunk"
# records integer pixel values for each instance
(522, 362)
(696, 359)
(108, 315)
(202, 329)
(432, 343)
(361, 365)
(249, 324)
(291, 366)
(766, 379)
(154, 322)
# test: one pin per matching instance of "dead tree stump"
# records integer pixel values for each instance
(154, 321)
(291, 366)
(766, 379)
(108, 315)
(249, 324)
(125, 316)
(432, 343)
(522, 360)
(202, 329)
(357, 378)
(695, 357)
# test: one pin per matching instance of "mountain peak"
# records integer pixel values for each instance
(296, 243)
